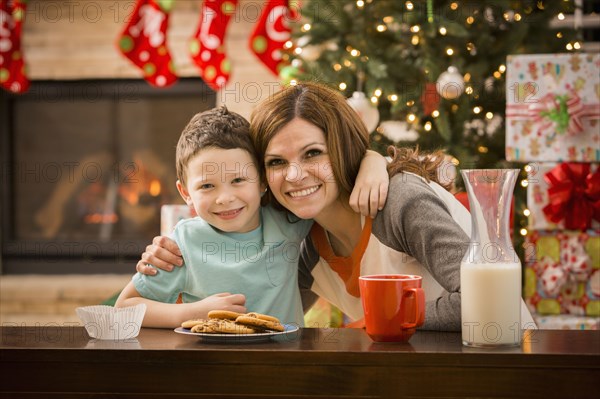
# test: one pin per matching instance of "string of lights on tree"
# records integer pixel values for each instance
(433, 70)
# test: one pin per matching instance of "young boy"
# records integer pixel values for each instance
(238, 255)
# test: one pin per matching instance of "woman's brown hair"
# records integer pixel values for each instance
(426, 165)
(346, 136)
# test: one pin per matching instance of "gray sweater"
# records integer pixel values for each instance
(421, 230)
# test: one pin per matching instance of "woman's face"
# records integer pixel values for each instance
(299, 171)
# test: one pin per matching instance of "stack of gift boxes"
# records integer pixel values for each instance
(553, 124)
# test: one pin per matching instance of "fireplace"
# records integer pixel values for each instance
(86, 166)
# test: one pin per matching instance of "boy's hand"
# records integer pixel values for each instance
(371, 185)
(223, 301)
(163, 253)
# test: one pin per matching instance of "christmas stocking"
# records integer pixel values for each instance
(207, 45)
(12, 65)
(271, 33)
(144, 38)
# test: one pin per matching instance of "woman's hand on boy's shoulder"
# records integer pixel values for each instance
(162, 254)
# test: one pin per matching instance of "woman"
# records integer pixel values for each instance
(311, 143)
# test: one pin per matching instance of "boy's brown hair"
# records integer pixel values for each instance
(215, 128)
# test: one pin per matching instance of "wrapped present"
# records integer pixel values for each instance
(563, 196)
(553, 107)
(562, 272)
(323, 315)
(170, 215)
(567, 322)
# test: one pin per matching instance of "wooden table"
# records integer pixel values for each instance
(64, 362)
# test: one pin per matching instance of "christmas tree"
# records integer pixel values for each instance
(435, 69)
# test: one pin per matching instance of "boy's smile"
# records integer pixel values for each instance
(229, 214)
(224, 188)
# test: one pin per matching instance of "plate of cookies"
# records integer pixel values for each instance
(223, 326)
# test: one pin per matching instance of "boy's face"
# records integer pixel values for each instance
(224, 188)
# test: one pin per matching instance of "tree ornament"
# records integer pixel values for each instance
(207, 47)
(397, 131)
(366, 111)
(144, 38)
(288, 73)
(271, 33)
(488, 84)
(430, 99)
(309, 52)
(330, 45)
(12, 64)
(450, 84)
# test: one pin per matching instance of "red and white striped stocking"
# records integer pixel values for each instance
(144, 41)
(207, 46)
(12, 64)
(271, 33)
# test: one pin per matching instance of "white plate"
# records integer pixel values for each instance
(290, 333)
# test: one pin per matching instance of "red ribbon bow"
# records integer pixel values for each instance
(574, 195)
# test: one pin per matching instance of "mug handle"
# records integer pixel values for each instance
(419, 307)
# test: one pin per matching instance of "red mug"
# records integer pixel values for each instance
(394, 306)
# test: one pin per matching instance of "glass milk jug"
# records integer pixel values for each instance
(490, 271)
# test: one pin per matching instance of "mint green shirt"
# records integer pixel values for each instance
(261, 264)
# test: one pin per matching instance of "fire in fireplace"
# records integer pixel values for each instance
(86, 166)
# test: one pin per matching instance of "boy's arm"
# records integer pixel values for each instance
(171, 315)
(157, 314)
(371, 185)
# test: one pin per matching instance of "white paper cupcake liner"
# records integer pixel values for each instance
(106, 322)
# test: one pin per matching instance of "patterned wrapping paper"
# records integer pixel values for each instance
(562, 272)
(539, 197)
(553, 107)
(567, 322)
(170, 215)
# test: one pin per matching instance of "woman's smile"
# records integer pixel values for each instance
(304, 192)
